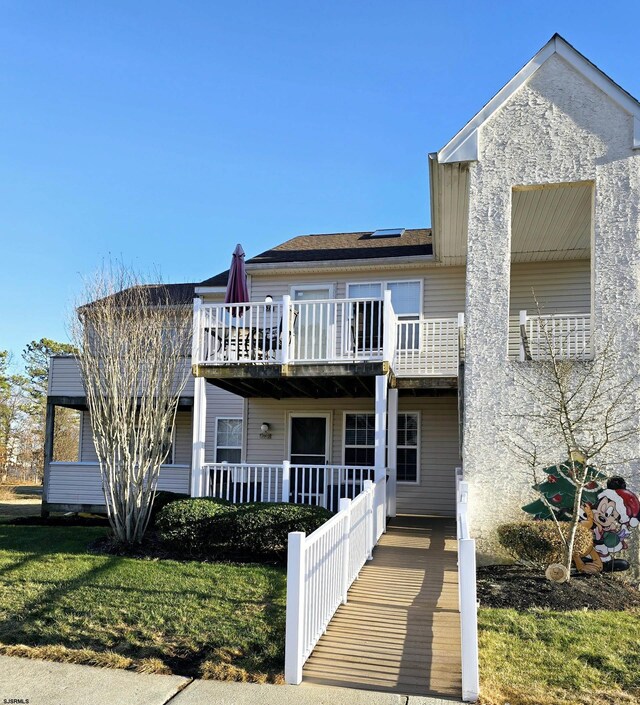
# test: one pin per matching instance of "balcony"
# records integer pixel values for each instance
(567, 336)
(355, 338)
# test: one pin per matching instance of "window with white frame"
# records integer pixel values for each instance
(407, 461)
(359, 439)
(359, 443)
(405, 295)
(228, 440)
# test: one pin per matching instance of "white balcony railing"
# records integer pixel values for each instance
(428, 347)
(567, 335)
(325, 331)
(322, 485)
(320, 331)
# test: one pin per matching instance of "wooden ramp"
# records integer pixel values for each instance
(400, 631)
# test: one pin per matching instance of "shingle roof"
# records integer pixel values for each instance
(345, 246)
(310, 248)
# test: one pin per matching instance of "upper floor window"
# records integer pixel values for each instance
(405, 295)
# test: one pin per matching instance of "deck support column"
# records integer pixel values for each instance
(392, 452)
(49, 431)
(380, 443)
(198, 479)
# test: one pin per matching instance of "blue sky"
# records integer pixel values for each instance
(165, 132)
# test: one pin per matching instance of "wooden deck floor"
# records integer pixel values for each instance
(400, 631)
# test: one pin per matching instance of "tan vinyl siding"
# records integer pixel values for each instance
(65, 379)
(219, 404)
(439, 457)
(182, 439)
(443, 287)
(80, 483)
(560, 287)
(438, 443)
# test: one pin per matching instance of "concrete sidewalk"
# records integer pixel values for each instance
(35, 682)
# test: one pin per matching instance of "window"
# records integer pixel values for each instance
(359, 439)
(407, 448)
(228, 440)
(405, 295)
(359, 443)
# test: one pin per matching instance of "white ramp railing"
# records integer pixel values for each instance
(468, 602)
(320, 569)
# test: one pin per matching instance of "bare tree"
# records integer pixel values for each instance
(585, 408)
(131, 341)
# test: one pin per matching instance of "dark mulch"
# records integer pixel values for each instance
(152, 548)
(521, 587)
(63, 520)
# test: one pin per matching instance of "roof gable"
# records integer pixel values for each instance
(464, 146)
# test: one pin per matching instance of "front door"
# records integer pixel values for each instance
(308, 447)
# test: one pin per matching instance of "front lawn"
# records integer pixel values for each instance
(542, 657)
(59, 601)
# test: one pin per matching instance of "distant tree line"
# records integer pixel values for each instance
(23, 404)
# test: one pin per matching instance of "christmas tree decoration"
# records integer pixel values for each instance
(559, 490)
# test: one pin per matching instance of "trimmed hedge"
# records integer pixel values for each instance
(184, 525)
(538, 542)
(161, 500)
(213, 528)
(262, 528)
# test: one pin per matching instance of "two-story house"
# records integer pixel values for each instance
(392, 352)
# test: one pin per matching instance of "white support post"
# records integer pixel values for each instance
(461, 341)
(286, 321)
(196, 348)
(392, 452)
(468, 619)
(286, 481)
(523, 329)
(199, 423)
(371, 542)
(388, 331)
(295, 608)
(380, 434)
(345, 506)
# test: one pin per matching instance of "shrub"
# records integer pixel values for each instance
(160, 501)
(184, 525)
(261, 529)
(539, 542)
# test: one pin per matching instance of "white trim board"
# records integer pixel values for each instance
(463, 147)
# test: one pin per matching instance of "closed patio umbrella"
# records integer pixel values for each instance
(237, 291)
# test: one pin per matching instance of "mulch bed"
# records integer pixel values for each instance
(521, 588)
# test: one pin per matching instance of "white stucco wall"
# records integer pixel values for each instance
(558, 127)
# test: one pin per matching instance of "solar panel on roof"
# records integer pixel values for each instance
(390, 232)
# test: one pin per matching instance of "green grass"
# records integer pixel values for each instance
(540, 657)
(214, 620)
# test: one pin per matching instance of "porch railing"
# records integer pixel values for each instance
(288, 332)
(322, 485)
(320, 569)
(567, 335)
(468, 603)
(428, 347)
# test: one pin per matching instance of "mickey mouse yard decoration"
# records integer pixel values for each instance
(616, 512)
(610, 513)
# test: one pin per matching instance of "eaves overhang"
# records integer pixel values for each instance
(464, 146)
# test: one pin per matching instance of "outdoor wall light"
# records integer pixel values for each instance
(265, 431)
(268, 299)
